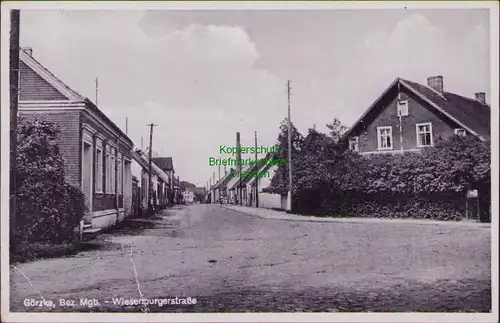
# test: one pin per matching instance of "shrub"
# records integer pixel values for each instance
(48, 209)
(428, 185)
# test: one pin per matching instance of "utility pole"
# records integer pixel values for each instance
(400, 120)
(150, 184)
(238, 159)
(96, 89)
(126, 126)
(14, 90)
(289, 147)
(257, 167)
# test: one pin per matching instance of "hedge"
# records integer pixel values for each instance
(430, 184)
(48, 209)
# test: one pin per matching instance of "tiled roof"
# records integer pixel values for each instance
(164, 163)
(469, 112)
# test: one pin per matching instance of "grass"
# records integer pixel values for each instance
(41, 250)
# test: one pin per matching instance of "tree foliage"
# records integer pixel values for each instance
(47, 207)
(337, 130)
(329, 179)
(279, 182)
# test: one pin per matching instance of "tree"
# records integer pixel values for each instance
(47, 207)
(337, 130)
(279, 182)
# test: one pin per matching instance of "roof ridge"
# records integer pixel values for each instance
(433, 90)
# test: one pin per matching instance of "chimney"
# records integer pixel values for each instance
(481, 97)
(28, 50)
(436, 83)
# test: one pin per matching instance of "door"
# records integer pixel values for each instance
(87, 174)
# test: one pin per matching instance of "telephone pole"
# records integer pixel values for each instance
(289, 147)
(257, 167)
(150, 184)
(14, 90)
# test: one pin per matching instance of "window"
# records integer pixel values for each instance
(120, 179)
(384, 137)
(354, 143)
(402, 108)
(108, 173)
(460, 132)
(98, 172)
(113, 176)
(424, 134)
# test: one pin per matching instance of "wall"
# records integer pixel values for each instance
(418, 113)
(34, 88)
(269, 201)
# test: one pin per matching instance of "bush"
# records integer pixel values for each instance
(431, 184)
(48, 209)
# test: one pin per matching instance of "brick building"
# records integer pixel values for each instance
(426, 114)
(97, 154)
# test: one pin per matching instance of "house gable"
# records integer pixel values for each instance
(445, 113)
(38, 84)
(385, 114)
(33, 87)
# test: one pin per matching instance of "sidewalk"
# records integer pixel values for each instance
(281, 215)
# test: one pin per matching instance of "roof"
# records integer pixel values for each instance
(241, 181)
(67, 92)
(164, 163)
(143, 160)
(223, 181)
(38, 68)
(470, 114)
(263, 168)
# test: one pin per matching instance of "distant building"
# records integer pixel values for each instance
(188, 196)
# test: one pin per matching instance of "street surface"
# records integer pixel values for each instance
(232, 262)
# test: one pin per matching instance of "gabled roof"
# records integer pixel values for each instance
(67, 92)
(470, 114)
(164, 163)
(38, 68)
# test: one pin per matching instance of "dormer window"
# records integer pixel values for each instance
(354, 143)
(460, 132)
(402, 108)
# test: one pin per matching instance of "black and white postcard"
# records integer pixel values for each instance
(249, 161)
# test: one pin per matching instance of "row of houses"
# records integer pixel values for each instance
(99, 157)
(246, 191)
(406, 117)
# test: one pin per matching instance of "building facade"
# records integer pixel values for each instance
(96, 153)
(409, 116)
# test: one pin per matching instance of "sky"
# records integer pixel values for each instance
(202, 76)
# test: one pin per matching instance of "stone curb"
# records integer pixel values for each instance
(299, 218)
